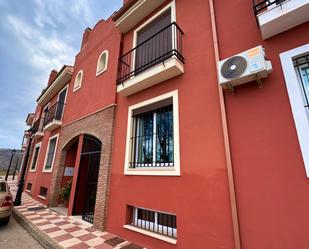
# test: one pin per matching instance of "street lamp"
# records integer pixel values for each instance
(21, 182)
(17, 161)
(7, 172)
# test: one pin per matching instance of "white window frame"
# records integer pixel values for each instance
(75, 86)
(38, 145)
(167, 171)
(172, 6)
(100, 71)
(46, 155)
(296, 100)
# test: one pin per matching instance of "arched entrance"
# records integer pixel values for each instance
(87, 180)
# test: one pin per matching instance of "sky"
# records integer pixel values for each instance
(37, 36)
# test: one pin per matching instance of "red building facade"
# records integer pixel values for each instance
(190, 121)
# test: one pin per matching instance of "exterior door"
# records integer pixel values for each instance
(154, 43)
(61, 102)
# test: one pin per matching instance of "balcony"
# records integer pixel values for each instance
(37, 128)
(53, 117)
(276, 16)
(153, 61)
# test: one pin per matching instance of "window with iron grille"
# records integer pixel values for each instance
(50, 153)
(35, 157)
(155, 221)
(152, 139)
(301, 65)
(29, 186)
(43, 192)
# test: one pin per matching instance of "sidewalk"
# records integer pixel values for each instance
(58, 231)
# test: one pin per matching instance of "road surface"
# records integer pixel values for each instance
(14, 236)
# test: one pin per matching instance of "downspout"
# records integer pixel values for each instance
(228, 158)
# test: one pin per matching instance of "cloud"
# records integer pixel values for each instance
(37, 36)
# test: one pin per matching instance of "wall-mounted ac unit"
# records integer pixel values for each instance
(244, 67)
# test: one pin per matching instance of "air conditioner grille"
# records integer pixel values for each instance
(233, 67)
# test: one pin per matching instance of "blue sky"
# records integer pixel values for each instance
(37, 36)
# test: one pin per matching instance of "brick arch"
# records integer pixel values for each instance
(99, 125)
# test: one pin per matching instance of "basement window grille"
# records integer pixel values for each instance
(29, 186)
(43, 192)
(155, 221)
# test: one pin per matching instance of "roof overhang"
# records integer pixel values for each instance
(60, 81)
(133, 12)
(29, 119)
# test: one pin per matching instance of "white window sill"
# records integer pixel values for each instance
(100, 72)
(77, 88)
(151, 234)
(156, 171)
(42, 197)
(32, 170)
(47, 171)
(27, 190)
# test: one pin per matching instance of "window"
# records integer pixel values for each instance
(154, 221)
(43, 192)
(301, 65)
(102, 62)
(29, 186)
(35, 157)
(2, 187)
(49, 159)
(295, 68)
(78, 81)
(152, 138)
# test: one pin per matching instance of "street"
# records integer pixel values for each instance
(14, 236)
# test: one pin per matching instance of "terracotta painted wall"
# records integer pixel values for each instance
(99, 91)
(199, 197)
(40, 178)
(271, 184)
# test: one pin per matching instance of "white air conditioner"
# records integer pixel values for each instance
(244, 67)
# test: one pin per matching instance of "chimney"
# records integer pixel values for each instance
(85, 37)
(52, 76)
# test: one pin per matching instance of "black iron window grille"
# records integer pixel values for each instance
(260, 6)
(301, 65)
(43, 192)
(29, 186)
(54, 113)
(152, 140)
(35, 157)
(158, 222)
(161, 46)
(51, 153)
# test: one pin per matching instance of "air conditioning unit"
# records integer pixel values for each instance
(244, 67)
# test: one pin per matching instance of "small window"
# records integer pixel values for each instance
(102, 62)
(2, 187)
(43, 192)
(50, 154)
(78, 81)
(158, 222)
(35, 157)
(29, 186)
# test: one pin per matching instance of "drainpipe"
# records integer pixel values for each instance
(228, 158)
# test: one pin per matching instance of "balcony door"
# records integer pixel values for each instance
(61, 102)
(153, 43)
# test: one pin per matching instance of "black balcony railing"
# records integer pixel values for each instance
(54, 113)
(260, 6)
(156, 49)
(36, 126)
